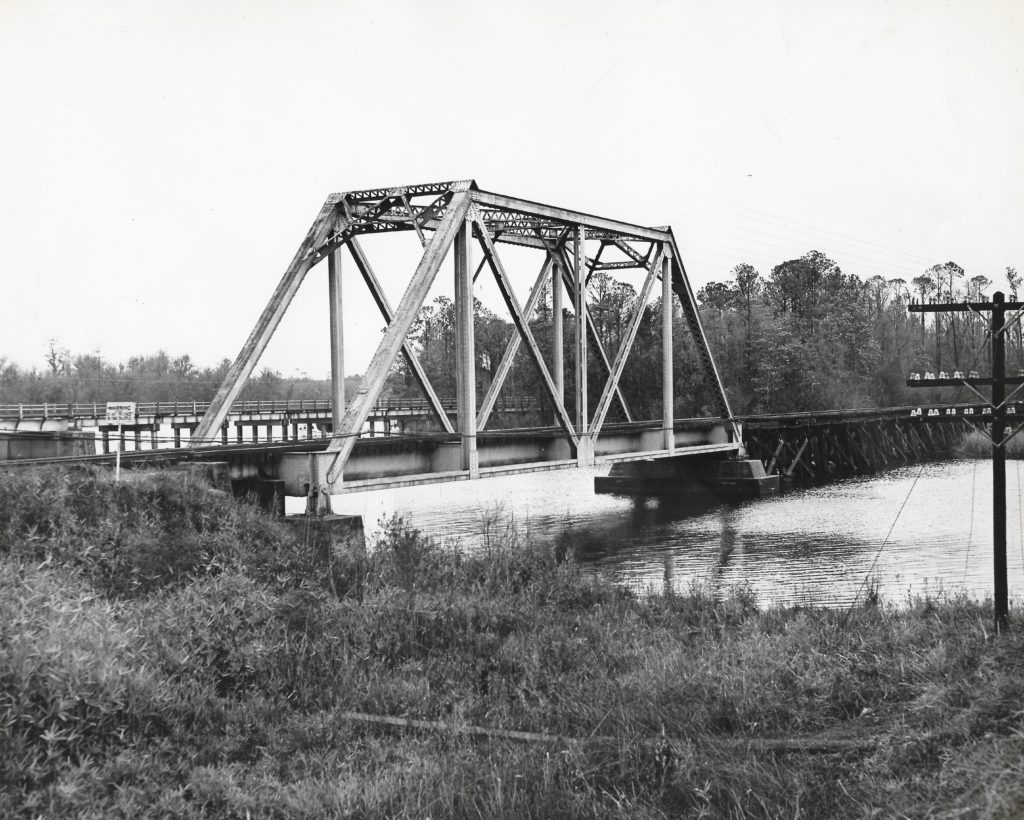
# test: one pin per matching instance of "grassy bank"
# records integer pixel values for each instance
(978, 445)
(166, 651)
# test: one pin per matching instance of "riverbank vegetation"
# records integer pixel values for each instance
(166, 651)
(979, 445)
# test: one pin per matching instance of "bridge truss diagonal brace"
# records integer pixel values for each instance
(373, 283)
(570, 285)
(405, 314)
(305, 257)
(627, 345)
(523, 326)
(512, 347)
(681, 285)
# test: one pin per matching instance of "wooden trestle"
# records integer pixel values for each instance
(816, 447)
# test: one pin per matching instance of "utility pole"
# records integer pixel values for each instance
(1001, 591)
(998, 415)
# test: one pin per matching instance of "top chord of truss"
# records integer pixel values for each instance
(509, 219)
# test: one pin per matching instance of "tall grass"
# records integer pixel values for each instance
(978, 445)
(165, 651)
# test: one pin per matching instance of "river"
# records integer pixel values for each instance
(920, 530)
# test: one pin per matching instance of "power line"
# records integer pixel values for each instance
(1020, 516)
(970, 530)
(765, 217)
(885, 541)
(866, 256)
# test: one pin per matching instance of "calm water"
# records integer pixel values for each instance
(808, 546)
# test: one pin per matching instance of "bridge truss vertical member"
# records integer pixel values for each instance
(558, 271)
(451, 213)
(465, 353)
(667, 380)
(585, 449)
(334, 295)
(595, 337)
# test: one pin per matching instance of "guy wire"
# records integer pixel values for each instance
(1020, 517)
(882, 545)
(970, 530)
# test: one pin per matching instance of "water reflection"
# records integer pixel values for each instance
(912, 531)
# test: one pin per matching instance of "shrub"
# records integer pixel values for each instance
(75, 675)
(142, 533)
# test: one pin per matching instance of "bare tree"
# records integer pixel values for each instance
(58, 359)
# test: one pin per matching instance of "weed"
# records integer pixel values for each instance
(166, 651)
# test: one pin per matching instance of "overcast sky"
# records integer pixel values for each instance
(161, 162)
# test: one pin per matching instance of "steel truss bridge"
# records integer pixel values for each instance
(459, 219)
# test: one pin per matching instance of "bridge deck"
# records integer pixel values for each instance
(801, 446)
(418, 459)
(393, 482)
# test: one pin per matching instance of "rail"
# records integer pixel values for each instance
(97, 410)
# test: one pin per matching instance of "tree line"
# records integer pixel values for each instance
(88, 378)
(806, 336)
(809, 337)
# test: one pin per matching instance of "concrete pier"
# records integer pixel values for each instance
(685, 475)
(45, 444)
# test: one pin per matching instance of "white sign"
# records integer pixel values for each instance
(120, 412)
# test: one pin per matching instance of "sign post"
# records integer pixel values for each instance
(119, 412)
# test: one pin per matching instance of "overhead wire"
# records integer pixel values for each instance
(1020, 517)
(970, 529)
(881, 546)
(864, 256)
(843, 246)
(765, 217)
(742, 252)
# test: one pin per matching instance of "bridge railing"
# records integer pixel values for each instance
(97, 410)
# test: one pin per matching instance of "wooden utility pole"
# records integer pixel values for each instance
(1000, 590)
(998, 416)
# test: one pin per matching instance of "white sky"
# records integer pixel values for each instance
(161, 162)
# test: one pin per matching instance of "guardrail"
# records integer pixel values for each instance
(97, 410)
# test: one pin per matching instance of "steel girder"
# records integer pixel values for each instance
(437, 213)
